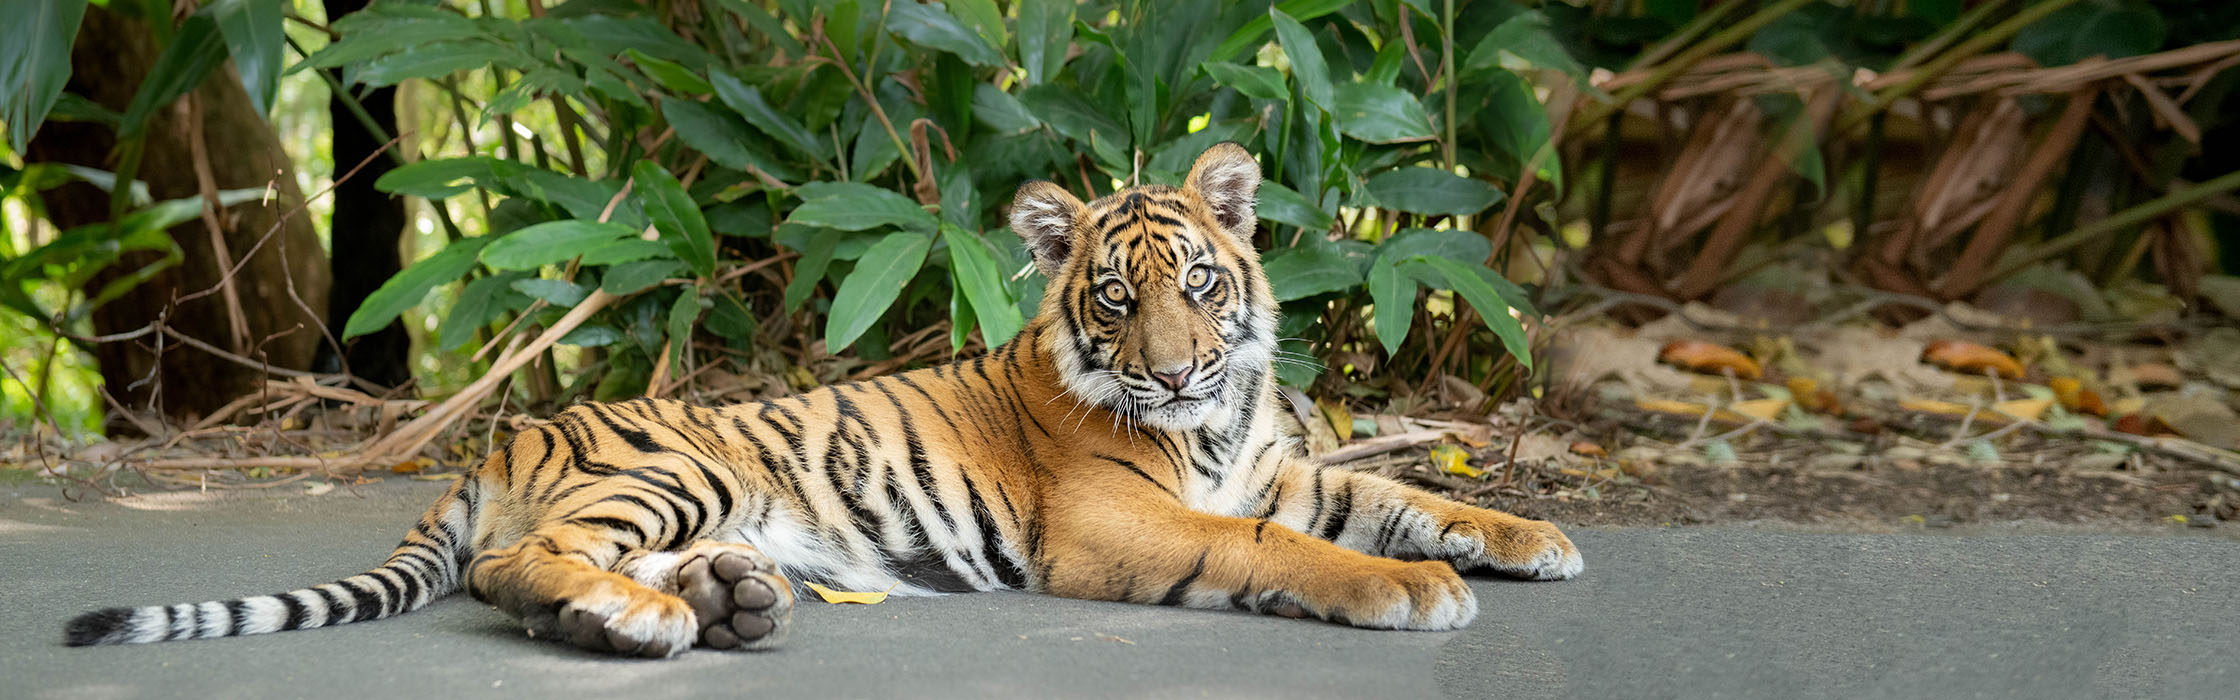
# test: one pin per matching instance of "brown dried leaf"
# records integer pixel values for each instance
(1709, 358)
(1971, 358)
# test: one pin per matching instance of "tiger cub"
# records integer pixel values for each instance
(1125, 446)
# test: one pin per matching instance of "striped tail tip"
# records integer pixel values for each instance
(104, 626)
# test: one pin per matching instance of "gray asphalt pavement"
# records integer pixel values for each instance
(1749, 612)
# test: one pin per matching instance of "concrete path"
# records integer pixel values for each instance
(1761, 612)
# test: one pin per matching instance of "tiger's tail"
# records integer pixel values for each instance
(426, 566)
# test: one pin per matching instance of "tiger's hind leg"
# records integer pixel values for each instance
(738, 598)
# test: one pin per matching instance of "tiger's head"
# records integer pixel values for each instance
(1158, 308)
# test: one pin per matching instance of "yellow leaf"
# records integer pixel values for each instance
(1454, 460)
(2026, 409)
(1761, 409)
(837, 597)
(1341, 420)
(1948, 408)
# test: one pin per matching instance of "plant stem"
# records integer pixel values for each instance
(2134, 216)
(1446, 46)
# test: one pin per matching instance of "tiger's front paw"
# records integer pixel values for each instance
(1533, 550)
(1425, 595)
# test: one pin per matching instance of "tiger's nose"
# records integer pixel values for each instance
(1176, 379)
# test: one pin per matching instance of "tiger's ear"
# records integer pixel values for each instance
(1043, 214)
(1228, 180)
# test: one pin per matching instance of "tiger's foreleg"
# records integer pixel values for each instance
(1162, 553)
(1372, 514)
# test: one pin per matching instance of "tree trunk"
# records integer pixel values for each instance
(280, 289)
(364, 231)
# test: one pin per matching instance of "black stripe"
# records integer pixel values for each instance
(238, 610)
(364, 603)
(611, 523)
(1138, 472)
(1175, 592)
(1339, 514)
(298, 613)
(333, 603)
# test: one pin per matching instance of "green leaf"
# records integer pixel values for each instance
(479, 303)
(1395, 297)
(851, 206)
(442, 178)
(769, 27)
(195, 49)
(1258, 82)
(682, 314)
(1463, 246)
(1523, 41)
(633, 277)
(984, 19)
(561, 293)
(252, 34)
(1306, 58)
(731, 320)
(878, 279)
(1432, 191)
(931, 26)
(974, 271)
(435, 60)
(629, 250)
(1045, 30)
(1488, 302)
(1310, 269)
(1247, 37)
(816, 257)
(592, 336)
(35, 38)
(725, 140)
(1380, 114)
(676, 217)
(1074, 117)
(678, 80)
(384, 28)
(1000, 111)
(1283, 205)
(748, 102)
(408, 287)
(550, 242)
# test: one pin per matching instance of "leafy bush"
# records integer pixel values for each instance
(870, 155)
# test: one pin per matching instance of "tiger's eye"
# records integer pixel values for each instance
(1115, 292)
(1198, 277)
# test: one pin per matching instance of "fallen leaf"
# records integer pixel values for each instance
(859, 598)
(1692, 410)
(1761, 409)
(1708, 358)
(2156, 376)
(1588, 449)
(318, 489)
(1971, 358)
(412, 466)
(1948, 408)
(1341, 420)
(2068, 391)
(1454, 460)
(2026, 409)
